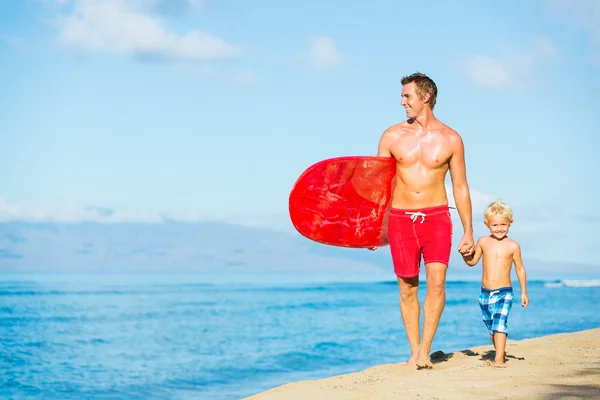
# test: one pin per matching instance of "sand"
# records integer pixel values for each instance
(562, 366)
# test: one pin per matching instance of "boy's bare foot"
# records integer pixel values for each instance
(499, 362)
(495, 364)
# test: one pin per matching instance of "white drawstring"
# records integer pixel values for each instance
(414, 215)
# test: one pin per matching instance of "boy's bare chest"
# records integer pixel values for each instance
(498, 252)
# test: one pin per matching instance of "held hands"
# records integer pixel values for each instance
(466, 247)
(524, 300)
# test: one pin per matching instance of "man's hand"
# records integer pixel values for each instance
(466, 247)
(372, 248)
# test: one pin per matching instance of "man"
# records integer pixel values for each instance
(419, 221)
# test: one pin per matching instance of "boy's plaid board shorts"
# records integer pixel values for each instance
(495, 305)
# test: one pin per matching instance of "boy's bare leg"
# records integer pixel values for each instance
(494, 344)
(410, 310)
(500, 345)
(435, 300)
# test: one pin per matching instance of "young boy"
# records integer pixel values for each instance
(499, 253)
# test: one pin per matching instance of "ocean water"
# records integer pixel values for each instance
(187, 337)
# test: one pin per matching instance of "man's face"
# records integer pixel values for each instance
(411, 101)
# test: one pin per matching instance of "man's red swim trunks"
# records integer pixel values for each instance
(411, 233)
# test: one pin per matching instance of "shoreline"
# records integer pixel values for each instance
(558, 366)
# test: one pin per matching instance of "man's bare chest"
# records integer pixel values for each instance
(430, 153)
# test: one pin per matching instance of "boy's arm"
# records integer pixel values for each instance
(521, 274)
(473, 258)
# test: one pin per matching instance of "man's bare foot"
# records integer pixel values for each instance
(412, 361)
(423, 360)
(424, 364)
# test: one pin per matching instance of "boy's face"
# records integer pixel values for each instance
(498, 226)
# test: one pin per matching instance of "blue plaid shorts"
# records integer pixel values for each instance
(495, 306)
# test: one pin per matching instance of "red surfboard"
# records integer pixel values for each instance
(344, 201)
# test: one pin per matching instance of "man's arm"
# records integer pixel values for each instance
(385, 142)
(462, 196)
(521, 275)
(383, 150)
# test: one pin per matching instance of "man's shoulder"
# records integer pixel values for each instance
(447, 131)
(394, 131)
(397, 127)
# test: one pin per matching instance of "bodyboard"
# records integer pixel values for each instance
(344, 201)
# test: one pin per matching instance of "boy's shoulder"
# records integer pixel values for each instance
(512, 244)
(484, 239)
(509, 245)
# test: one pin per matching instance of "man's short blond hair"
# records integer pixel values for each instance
(423, 85)
(497, 208)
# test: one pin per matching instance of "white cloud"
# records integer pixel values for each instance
(245, 79)
(479, 200)
(71, 213)
(542, 48)
(77, 213)
(485, 71)
(514, 68)
(544, 231)
(15, 42)
(239, 79)
(323, 54)
(583, 13)
(129, 27)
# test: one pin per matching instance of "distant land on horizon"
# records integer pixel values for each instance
(213, 247)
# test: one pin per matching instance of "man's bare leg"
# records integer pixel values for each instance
(410, 310)
(435, 300)
(500, 345)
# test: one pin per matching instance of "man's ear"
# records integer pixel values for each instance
(426, 97)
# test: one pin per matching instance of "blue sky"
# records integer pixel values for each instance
(210, 109)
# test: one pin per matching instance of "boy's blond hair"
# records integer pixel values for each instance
(497, 208)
